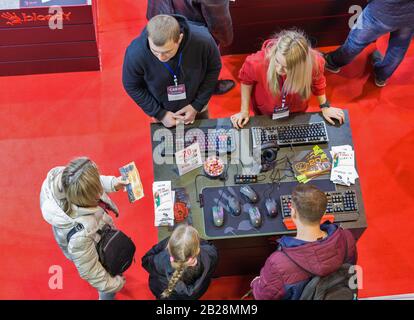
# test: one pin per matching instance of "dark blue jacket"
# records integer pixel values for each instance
(146, 78)
(157, 262)
(393, 13)
(282, 278)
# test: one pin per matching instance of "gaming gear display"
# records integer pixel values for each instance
(221, 141)
(342, 206)
(291, 135)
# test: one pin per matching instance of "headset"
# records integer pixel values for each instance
(268, 155)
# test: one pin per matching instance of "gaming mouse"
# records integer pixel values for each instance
(255, 217)
(218, 216)
(271, 207)
(234, 205)
(249, 194)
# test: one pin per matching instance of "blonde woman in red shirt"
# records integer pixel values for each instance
(282, 76)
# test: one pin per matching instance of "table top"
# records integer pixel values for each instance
(338, 135)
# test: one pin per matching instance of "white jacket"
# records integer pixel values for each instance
(82, 246)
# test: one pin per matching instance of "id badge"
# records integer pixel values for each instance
(280, 113)
(176, 92)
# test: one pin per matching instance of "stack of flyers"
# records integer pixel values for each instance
(163, 203)
(315, 163)
(134, 188)
(343, 165)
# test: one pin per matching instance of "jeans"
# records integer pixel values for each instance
(368, 30)
(106, 296)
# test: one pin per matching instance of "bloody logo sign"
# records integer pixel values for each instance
(13, 18)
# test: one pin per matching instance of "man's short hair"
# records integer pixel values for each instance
(309, 202)
(163, 28)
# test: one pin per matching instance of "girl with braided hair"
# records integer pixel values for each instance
(73, 195)
(180, 267)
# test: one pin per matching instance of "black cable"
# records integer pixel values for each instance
(195, 182)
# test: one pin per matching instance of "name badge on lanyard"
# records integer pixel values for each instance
(177, 91)
(282, 111)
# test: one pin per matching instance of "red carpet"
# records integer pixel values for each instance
(46, 120)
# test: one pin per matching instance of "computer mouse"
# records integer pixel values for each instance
(234, 205)
(271, 207)
(249, 194)
(218, 216)
(255, 217)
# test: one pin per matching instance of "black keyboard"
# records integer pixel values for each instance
(341, 204)
(286, 135)
(211, 140)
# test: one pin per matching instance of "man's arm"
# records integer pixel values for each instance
(216, 13)
(206, 88)
(134, 84)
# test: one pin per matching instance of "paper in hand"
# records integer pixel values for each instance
(134, 188)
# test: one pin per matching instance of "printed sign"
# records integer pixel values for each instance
(188, 159)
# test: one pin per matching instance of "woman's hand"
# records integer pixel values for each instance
(120, 183)
(240, 119)
(333, 113)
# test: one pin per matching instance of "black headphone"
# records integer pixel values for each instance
(268, 155)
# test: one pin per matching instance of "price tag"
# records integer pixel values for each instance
(188, 159)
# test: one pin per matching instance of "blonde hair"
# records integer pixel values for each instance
(163, 28)
(184, 244)
(300, 59)
(81, 184)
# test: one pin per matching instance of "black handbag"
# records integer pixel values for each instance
(115, 249)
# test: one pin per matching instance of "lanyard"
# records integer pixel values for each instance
(174, 73)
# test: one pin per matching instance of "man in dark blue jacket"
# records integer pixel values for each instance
(378, 18)
(171, 69)
(213, 14)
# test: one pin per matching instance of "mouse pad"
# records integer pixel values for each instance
(240, 225)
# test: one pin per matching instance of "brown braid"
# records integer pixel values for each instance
(174, 279)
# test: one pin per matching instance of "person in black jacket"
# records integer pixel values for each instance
(171, 69)
(180, 267)
(213, 14)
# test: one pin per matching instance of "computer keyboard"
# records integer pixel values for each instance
(287, 135)
(341, 204)
(210, 140)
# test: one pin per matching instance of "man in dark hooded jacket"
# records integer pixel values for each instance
(378, 18)
(320, 249)
(171, 70)
(213, 14)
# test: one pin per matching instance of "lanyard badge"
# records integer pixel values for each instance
(282, 111)
(177, 91)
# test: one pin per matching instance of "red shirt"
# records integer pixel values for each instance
(253, 72)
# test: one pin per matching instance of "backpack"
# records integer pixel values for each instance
(115, 249)
(334, 286)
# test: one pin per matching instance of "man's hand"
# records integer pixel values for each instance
(169, 120)
(186, 114)
(333, 113)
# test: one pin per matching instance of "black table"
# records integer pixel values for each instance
(246, 253)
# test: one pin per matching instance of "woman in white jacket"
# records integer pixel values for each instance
(77, 194)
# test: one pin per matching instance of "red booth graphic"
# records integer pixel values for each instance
(33, 42)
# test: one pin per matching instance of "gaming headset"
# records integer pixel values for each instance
(268, 155)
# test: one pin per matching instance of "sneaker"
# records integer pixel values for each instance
(330, 66)
(377, 57)
(380, 83)
(223, 86)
